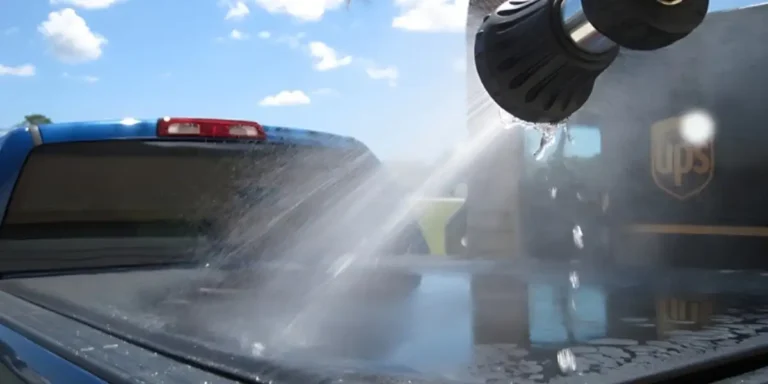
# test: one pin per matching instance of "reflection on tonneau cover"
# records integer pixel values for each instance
(568, 324)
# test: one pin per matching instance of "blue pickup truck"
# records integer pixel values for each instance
(114, 197)
(127, 254)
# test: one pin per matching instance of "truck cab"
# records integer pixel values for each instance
(562, 200)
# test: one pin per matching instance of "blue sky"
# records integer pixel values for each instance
(388, 72)
(385, 71)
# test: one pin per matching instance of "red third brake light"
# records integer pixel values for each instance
(214, 128)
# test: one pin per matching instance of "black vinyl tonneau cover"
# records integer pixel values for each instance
(468, 322)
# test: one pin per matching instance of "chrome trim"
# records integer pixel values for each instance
(37, 138)
(580, 30)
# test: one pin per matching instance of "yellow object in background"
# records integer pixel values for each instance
(435, 214)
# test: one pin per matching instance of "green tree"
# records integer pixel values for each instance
(36, 119)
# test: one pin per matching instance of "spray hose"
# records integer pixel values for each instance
(539, 59)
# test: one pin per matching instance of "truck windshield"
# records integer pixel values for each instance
(585, 144)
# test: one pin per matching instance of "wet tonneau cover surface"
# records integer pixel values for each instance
(466, 321)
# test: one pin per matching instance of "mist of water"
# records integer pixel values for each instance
(357, 226)
(308, 243)
(299, 258)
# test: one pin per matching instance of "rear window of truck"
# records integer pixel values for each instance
(134, 188)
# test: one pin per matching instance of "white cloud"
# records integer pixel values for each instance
(87, 4)
(285, 98)
(237, 35)
(390, 73)
(21, 70)
(70, 38)
(264, 35)
(305, 10)
(326, 57)
(431, 15)
(236, 10)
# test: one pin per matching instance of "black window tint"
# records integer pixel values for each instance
(130, 188)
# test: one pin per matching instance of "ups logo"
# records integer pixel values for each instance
(679, 168)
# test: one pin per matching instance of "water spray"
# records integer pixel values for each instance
(539, 59)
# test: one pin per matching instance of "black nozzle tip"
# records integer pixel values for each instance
(645, 25)
(530, 67)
